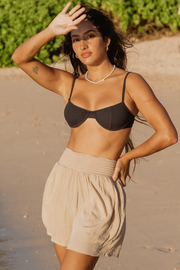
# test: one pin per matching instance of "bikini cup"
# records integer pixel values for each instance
(112, 118)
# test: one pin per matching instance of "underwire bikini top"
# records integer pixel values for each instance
(113, 118)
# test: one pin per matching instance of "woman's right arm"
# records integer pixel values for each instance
(50, 78)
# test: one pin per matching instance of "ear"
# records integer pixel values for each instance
(107, 41)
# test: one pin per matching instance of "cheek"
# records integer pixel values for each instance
(100, 47)
(74, 46)
(96, 46)
(100, 44)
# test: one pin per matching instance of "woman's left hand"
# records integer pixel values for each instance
(121, 170)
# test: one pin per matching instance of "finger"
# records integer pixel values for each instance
(80, 19)
(74, 9)
(77, 13)
(123, 180)
(65, 9)
(116, 173)
(69, 29)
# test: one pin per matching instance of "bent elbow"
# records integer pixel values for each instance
(175, 139)
(15, 58)
(171, 138)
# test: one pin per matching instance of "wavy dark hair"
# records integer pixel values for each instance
(116, 52)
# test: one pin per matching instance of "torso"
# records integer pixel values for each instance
(90, 136)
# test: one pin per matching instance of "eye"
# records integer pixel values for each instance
(75, 40)
(90, 36)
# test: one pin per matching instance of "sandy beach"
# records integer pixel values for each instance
(33, 135)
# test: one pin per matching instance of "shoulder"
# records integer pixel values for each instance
(135, 78)
(128, 76)
(137, 86)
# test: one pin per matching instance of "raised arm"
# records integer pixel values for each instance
(156, 115)
(50, 78)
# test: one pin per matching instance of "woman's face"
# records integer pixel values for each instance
(88, 44)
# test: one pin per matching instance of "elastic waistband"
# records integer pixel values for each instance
(87, 163)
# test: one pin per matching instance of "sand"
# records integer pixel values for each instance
(33, 136)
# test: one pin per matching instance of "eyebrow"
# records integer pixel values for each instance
(91, 30)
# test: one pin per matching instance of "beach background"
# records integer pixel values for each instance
(33, 135)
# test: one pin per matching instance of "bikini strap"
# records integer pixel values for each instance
(124, 86)
(72, 88)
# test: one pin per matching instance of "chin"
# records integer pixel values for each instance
(91, 62)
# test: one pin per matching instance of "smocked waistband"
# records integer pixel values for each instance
(87, 163)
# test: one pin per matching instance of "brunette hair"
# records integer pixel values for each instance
(116, 52)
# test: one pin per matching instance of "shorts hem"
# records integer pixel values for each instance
(93, 254)
(82, 251)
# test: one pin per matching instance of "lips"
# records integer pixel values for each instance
(86, 54)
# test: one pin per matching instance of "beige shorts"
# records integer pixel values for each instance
(83, 208)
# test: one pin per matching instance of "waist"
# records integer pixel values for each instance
(86, 163)
(94, 140)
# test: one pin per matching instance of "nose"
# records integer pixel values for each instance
(83, 44)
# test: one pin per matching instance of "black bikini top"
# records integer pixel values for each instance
(113, 118)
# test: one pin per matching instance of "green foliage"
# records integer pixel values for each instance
(141, 12)
(19, 20)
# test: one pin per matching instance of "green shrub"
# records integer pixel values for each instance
(140, 12)
(19, 20)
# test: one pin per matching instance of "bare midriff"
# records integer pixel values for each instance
(90, 138)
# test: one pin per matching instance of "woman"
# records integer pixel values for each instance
(84, 199)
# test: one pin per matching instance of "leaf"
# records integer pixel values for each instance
(136, 19)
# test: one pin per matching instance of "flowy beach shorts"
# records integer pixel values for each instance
(83, 208)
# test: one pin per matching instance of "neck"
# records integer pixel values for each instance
(96, 73)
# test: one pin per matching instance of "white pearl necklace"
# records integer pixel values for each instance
(101, 79)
